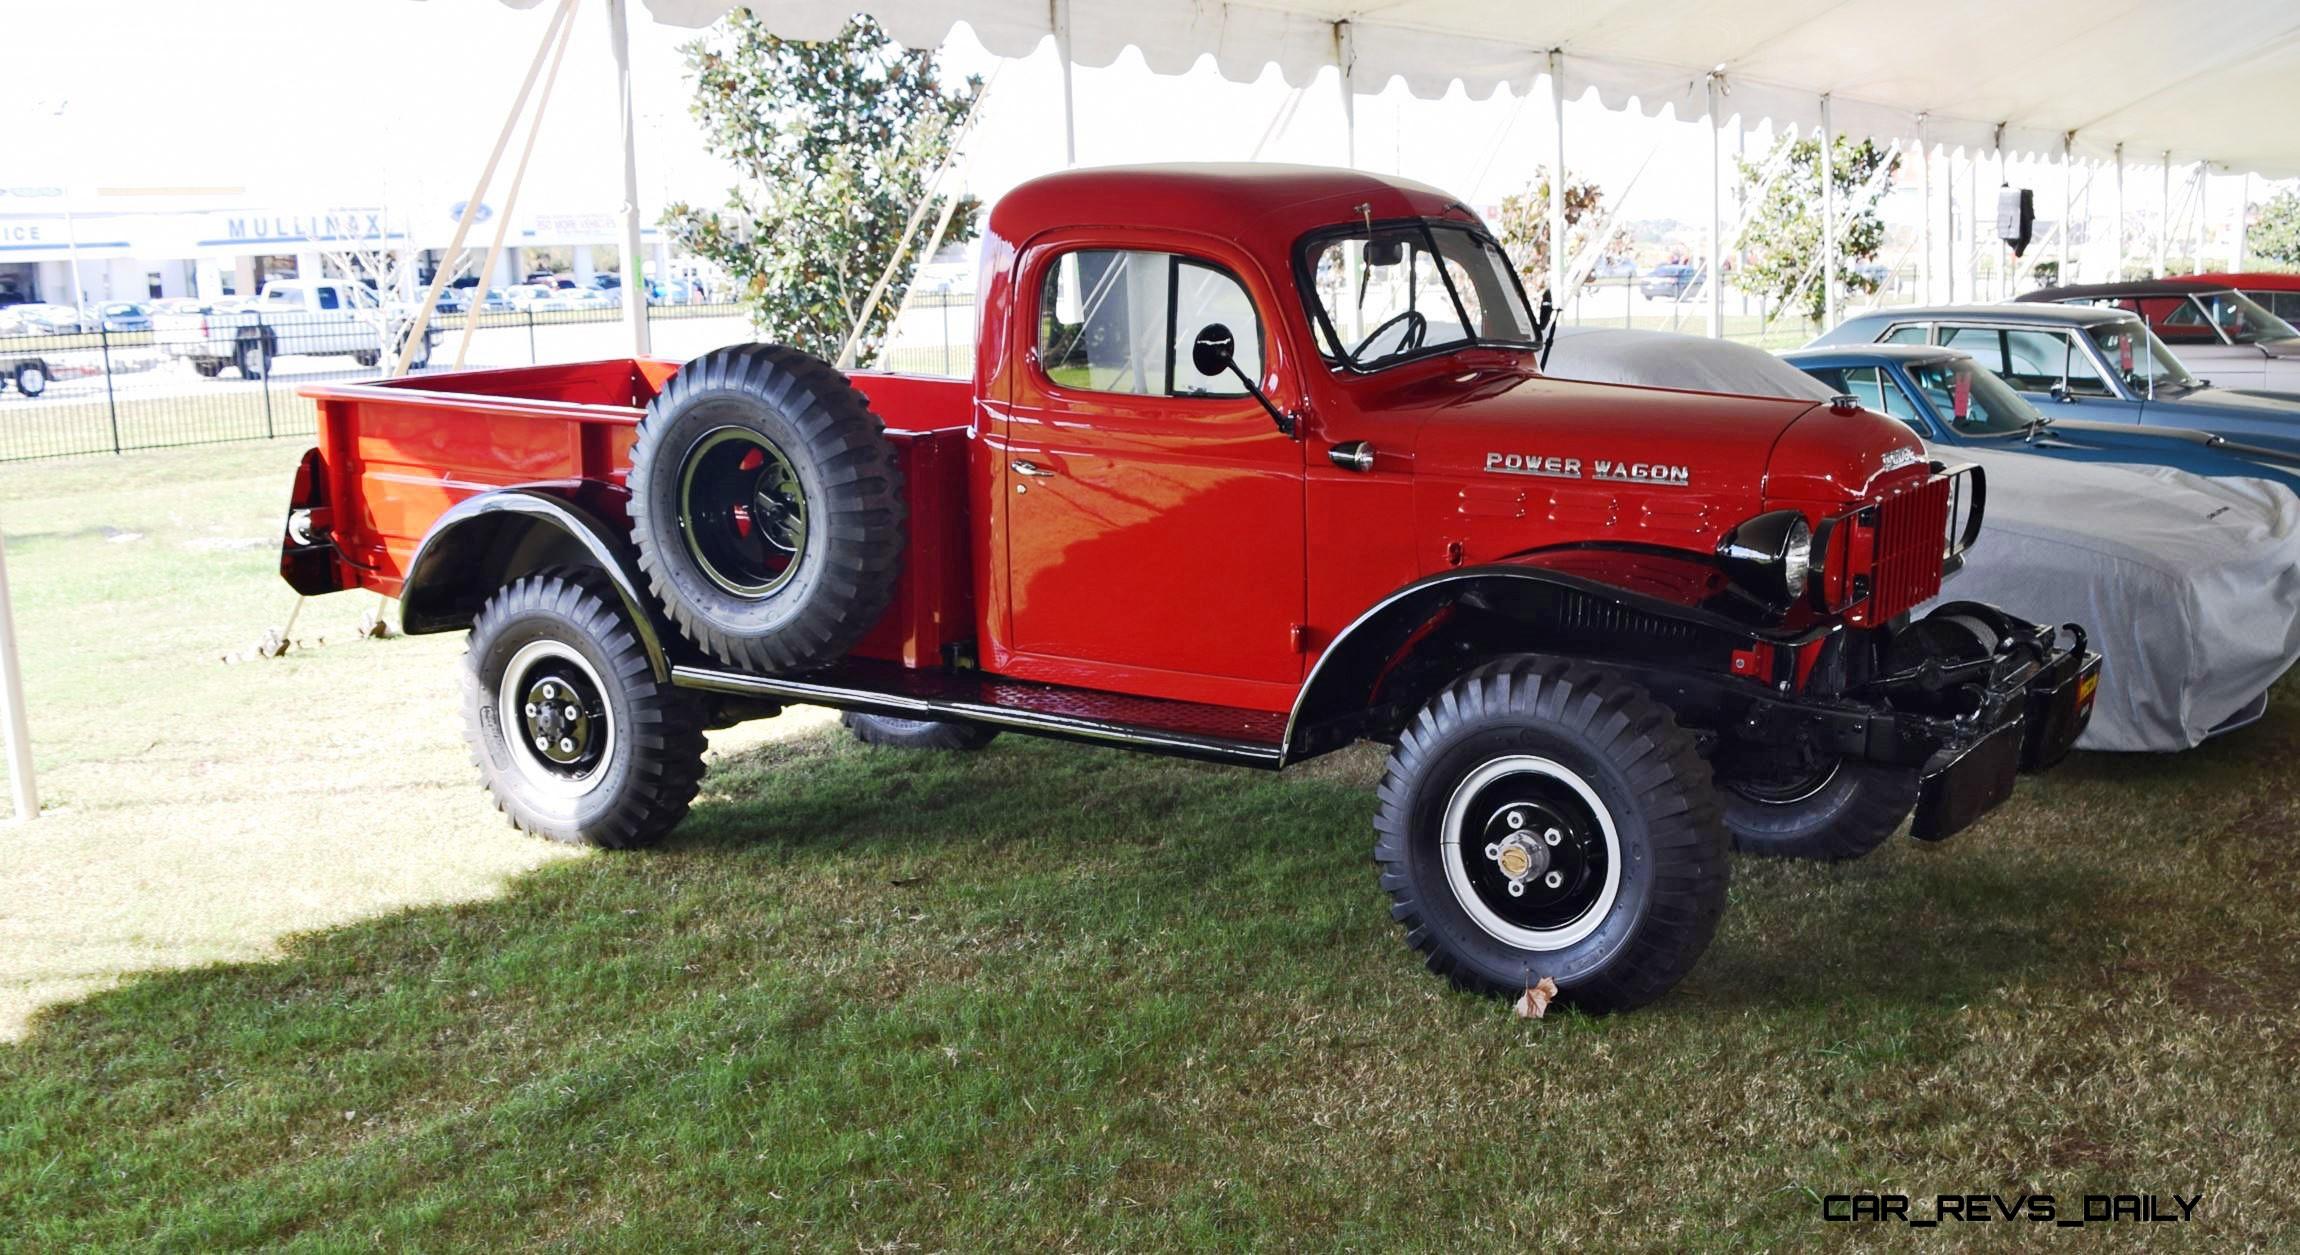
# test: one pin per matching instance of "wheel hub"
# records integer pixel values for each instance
(744, 511)
(1531, 852)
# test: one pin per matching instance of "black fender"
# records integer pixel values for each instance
(484, 542)
(1359, 686)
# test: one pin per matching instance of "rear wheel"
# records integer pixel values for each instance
(1540, 819)
(253, 357)
(571, 731)
(1831, 809)
(917, 734)
(32, 378)
(207, 368)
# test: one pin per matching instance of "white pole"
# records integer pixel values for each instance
(12, 706)
(634, 266)
(2117, 275)
(2243, 221)
(510, 201)
(2067, 207)
(417, 330)
(1346, 71)
(1925, 213)
(1557, 178)
(1828, 219)
(1716, 214)
(2164, 217)
(2203, 188)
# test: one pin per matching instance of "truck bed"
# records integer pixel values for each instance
(399, 452)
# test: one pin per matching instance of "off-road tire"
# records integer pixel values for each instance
(651, 763)
(1851, 813)
(31, 378)
(917, 734)
(1629, 752)
(850, 490)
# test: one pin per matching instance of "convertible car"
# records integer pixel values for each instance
(2104, 364)
(2219, 332)
(2191, 585)
(1950, 402)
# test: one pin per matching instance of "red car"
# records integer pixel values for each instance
(1257, 462)
(2280, 293)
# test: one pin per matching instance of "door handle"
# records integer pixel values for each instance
(1032, 469)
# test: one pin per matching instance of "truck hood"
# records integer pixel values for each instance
(1733, 451)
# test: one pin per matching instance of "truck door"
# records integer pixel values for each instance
(1154, 533)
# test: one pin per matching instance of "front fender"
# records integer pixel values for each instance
(1658, 607)
(485, 542)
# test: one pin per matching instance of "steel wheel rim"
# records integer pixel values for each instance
(743, 510)
(1795, 789)
(1585, 858)
(562, 754)
(32, 380)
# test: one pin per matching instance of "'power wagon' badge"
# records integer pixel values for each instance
(1660, 474)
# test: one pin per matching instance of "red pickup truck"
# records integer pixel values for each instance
(1256, 463)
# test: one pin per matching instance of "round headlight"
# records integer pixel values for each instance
(1770, 556)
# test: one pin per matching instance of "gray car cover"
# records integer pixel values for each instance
(2189, 587)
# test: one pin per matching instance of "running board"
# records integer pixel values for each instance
(1220, 734)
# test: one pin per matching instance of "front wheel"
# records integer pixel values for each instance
(572, 732)
(1831, 810)
(253, 357)
(32, 378)
(1544, 819)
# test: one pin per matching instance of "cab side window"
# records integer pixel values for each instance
(1985, 345)
(2044, 360)
(1125, 321)
(328, 299)
(1914, 333)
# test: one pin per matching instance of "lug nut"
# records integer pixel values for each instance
(1516, 819)
(1493, 852)
(1553, 880)
(531, 710)
(550, 690)
(1516, 889)
(543, 742)
(1553, 836)
(571, 713)
(566, 745)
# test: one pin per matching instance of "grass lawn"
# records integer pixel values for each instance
(1044, 995)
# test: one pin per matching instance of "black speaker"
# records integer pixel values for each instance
(2016, 217)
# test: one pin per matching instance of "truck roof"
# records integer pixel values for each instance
(1256, 205)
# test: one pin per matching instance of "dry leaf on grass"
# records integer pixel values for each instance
(1535, 1002)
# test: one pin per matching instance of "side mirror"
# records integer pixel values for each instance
(1216, 351)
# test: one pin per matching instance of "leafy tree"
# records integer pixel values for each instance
(1783, 241)
(2274, 232)
(1524, 226)
(834, 144)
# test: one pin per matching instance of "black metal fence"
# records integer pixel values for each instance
(232, 374)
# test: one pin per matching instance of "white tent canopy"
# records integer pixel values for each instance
(2205, 82)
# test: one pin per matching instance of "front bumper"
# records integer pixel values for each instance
(1968, 725)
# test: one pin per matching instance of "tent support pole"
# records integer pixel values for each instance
(1716, 213)
(2243, 221)
(2117, 275)
(1557, 177)
(634, 268)
(510, 199)
(1828, 219)
(2203, 190)
(422, 324)
(2068, 208)
(1925, 215)
(2164, 217)
(1346, 73)
(19, 726)
(1058, 17)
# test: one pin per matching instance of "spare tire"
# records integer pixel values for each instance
(766, 507)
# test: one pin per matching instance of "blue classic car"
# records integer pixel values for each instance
(2079, 361)
(1939, 392)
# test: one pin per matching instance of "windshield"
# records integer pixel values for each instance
(2141, 359)
(1973, 402)
(2242, 319)
(1383, 294)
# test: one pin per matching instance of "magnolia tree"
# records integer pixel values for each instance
(387, 265)
(2274, 231)
(835, 145)
(1783, 241)
(1524, 226)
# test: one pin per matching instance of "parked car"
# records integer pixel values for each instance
(187, 305)
(42, 319)
(2082, 361)
(2278, 293)
(528, 296)
(1205, 519)
(2189, 586)
(308, 317)
(1948, 401)
(122, 316)
(2226, 337)
(1672, 282)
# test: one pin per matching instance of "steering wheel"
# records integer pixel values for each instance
(1417, 328)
